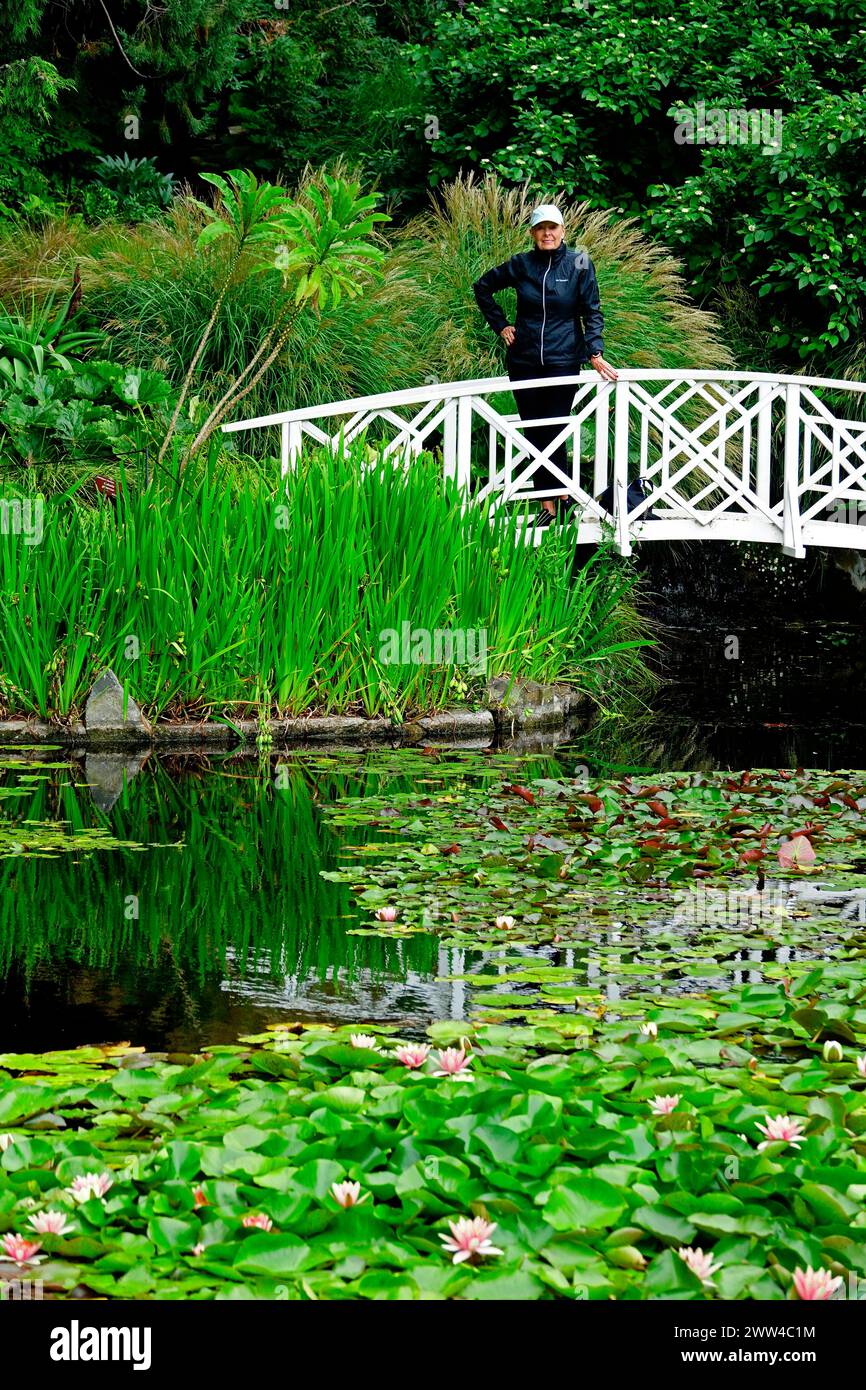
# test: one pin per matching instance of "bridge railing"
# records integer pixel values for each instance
(722, 455)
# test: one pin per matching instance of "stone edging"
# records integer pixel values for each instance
(528, 706)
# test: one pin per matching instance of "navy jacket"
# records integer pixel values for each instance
(559, 321)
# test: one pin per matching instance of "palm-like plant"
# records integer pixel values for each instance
(329, 249)
(326, 245)
(247, 216)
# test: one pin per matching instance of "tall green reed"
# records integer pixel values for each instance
(203, 595)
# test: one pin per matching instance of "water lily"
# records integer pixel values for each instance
(90, 1185)
(348, 1194)
(815, 1284)
(22, 1251)
(470, 1238)
(199, 1199)
(795, 852)
(259, 1220)
(832, 1052)
(504, 923)
(861, 1065)
(650, 1029)
(198, 1249)
(663, 1105)
(365, 1040)
(699, 1262)
(415, 1055)
(5, 1141)
(782, 1129)
(454, 1062)
(51, 1223)
(386, 914)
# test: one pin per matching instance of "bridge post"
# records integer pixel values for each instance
(620, 466)
(602, 421)
(464, 443)
(290, 446)
(792, 534)
(449, 441)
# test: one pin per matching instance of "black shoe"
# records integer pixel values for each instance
(544, 518)
(565, 508)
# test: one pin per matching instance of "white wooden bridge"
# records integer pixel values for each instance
(722, 455)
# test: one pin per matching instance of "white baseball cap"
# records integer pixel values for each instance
(546, 212)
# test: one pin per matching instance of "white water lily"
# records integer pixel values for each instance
(90, 1185)
(51, 1223)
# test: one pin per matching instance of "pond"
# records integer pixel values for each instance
(187, 901)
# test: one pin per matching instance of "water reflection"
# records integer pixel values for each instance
(212, 916)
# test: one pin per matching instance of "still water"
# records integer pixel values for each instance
(182, 902)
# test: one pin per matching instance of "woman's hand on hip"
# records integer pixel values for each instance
(604, 369)
(508, 334)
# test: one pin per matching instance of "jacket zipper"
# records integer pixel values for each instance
(544, 308)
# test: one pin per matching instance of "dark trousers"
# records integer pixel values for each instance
(537, 403)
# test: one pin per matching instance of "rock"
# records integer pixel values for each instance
(500, 689)
(107, 722)
(108, 773)
(530, 704)
(463, 724)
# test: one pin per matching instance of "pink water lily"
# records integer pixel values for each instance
(51, 1223)
(259, 1220)
(781, 1129)
(795, 852)
(454, 1062)
(199, 1198)
(90, 1185)
(22, 1251)
(365, 1040)
(198, 1249)
(663, 1105)
(469, 1238)
(415, 1055)
(861, 1065)
(386, 914)
(699, 1262)
(815, 1284)
(348, 1194)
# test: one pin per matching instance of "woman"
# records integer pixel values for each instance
(558, 327)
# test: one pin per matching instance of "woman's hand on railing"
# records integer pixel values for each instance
(604, 369)
(508, 334)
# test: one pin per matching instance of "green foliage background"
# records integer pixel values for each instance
(569, 96)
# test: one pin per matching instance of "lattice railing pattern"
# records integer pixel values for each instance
(724, 456)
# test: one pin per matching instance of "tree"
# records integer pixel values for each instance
(588, 98)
